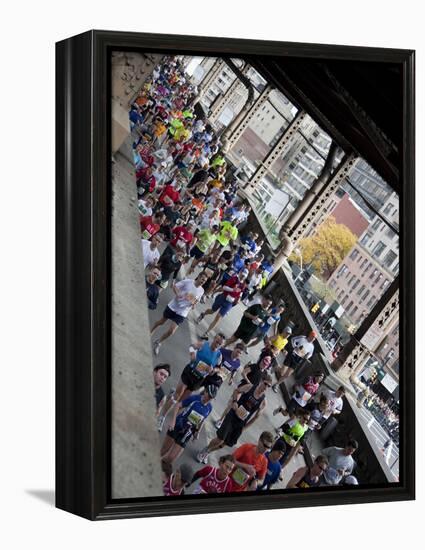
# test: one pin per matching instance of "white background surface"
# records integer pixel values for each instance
(29, 31)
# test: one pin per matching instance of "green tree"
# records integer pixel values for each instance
(326, 248)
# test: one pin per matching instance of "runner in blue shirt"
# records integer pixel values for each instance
(186, 424)
(273, 465)
(203, 358)
(228, 367)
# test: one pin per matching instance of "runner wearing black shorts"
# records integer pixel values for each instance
(245, 410)
(252, 318)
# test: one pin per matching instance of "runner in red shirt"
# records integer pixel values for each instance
(216, 480)
(175, 483)
(226, 300)
(251, 463)
(183, 237)
(149, 225)
(169, 195)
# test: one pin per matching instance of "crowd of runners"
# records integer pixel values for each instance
(195, 240)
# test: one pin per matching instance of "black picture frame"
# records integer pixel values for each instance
(83, 271)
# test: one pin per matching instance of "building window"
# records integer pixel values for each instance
(361, 289)
(379, 248)
(365, 239)
(388, 208)
(355, 308)
(389, 258)
(342, 270)
(385, 284)
(376, 224)
(356, 284)
(366, 294)
(354, 254)
(349, 305)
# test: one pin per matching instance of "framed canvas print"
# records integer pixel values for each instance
(235, 275)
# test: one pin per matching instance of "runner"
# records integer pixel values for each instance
(216, 480)
(306, 477)
(292, 432)
(303, 393)
(272, 320)
(341, 463)
(251, 463)
(150, 225)
(203, 358)
(153, 275)
(170, 266)
(273, 465)
(246, 409)
(301, 349)
(150, 250)
(160, 375)
(188, 293)
(226, 300)
(176, 482)
(228, 232)
(205, 239)
(186, 424)
(252, 318)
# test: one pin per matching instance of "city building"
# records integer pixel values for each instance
(370, 266)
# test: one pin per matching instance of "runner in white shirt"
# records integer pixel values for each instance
(335, 401)
(150, 250)
(300, 349)
(188, 293)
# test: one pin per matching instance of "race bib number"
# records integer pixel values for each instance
(257, 322)
(202, 368)
(146, 235)
(239, 476)
(180, 243)
(271, 320)
(305, 396)
(242, 412)
(230, 299)
(195, 419)
(227, 365)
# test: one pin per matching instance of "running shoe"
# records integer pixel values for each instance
(200, 318)
(161, 420)
(202, 457)
(156, 346)
(218, 424)
(277, 411)
(275, 388)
